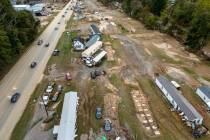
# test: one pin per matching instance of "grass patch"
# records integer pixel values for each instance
(23, 124)
(122, 29)
(164, 57)
(66, 54)
(206, 78)
(189, 71)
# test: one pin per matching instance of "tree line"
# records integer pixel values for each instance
(17, 31)
(187, 20)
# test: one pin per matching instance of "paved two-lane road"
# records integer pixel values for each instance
(21, 78)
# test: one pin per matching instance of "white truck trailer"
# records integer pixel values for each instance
(98, 58)
(92, 49)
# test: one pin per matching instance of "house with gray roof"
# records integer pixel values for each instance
(94, 30)
(178, 101)
(204, 93)
(93, 39)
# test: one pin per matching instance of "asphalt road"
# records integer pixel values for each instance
(21, 78)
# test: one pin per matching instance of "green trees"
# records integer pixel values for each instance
(17, 29)
(199, 31)
(187, 20)
(157, 6)
(5, 49)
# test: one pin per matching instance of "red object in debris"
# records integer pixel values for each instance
(68, 76)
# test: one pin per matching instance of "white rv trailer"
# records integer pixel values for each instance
(98, 58)
(92, 49)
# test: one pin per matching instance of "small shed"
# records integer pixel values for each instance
(204, 93)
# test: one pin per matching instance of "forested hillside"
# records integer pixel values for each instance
(17, 30)
(187, 20)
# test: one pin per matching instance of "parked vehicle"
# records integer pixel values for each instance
(98, 113)
(96, 73)
(55, 97)
(88, 61)
(56, 28)
(56, 52)
(45, 99)
(50, 87)
(59, 88)
(107, 125)
(33, 64)
(68, 76)
(15, 97)
(47, 44)
(40, 41)
(200, 131)
(63, 15)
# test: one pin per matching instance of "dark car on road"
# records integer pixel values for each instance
(47, 44)
(33, 64)
(40, 41)
(98, 113)
(15, 97)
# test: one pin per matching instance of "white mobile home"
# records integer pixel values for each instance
(178, 101)
(22, 7)
(204, 93)
(92, 49)
(67, 128)
(98, 58)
